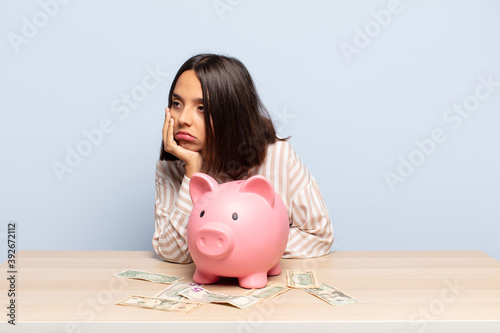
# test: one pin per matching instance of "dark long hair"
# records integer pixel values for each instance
(237, 124)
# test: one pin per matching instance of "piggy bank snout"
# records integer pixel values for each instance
(215, 240)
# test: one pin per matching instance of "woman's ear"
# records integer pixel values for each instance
(200, 184)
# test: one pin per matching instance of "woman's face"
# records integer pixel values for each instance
(187, 112)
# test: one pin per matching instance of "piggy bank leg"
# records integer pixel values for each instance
(275, 270)
(253, 281)
(204, 278)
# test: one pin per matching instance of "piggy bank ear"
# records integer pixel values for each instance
(200, 184)
(261, 186)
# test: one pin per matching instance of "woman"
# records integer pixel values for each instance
(216, 123)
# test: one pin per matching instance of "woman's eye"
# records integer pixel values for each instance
(176, 104)
(200, 108)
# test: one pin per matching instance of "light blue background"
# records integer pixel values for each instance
(351, 117)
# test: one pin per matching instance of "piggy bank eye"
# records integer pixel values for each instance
(235, 216)
(202, 213)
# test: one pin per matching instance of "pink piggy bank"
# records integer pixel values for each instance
(236, 229)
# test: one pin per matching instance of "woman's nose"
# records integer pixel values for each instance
(185, 117)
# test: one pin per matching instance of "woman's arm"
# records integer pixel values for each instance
(311, 232)
(172, 208)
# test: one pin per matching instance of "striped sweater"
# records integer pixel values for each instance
(311, 232)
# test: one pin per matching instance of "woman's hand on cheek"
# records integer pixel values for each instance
(192, 159)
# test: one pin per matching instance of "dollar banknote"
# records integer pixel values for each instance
(156, 303)
(332, 295)
(172, 291)
(199, 294)
(152, 277)
(301, 279)
(272, 290)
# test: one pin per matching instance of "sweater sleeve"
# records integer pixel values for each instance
(311, 232)
(172, 208)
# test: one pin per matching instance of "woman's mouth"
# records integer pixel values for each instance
(181, 135)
